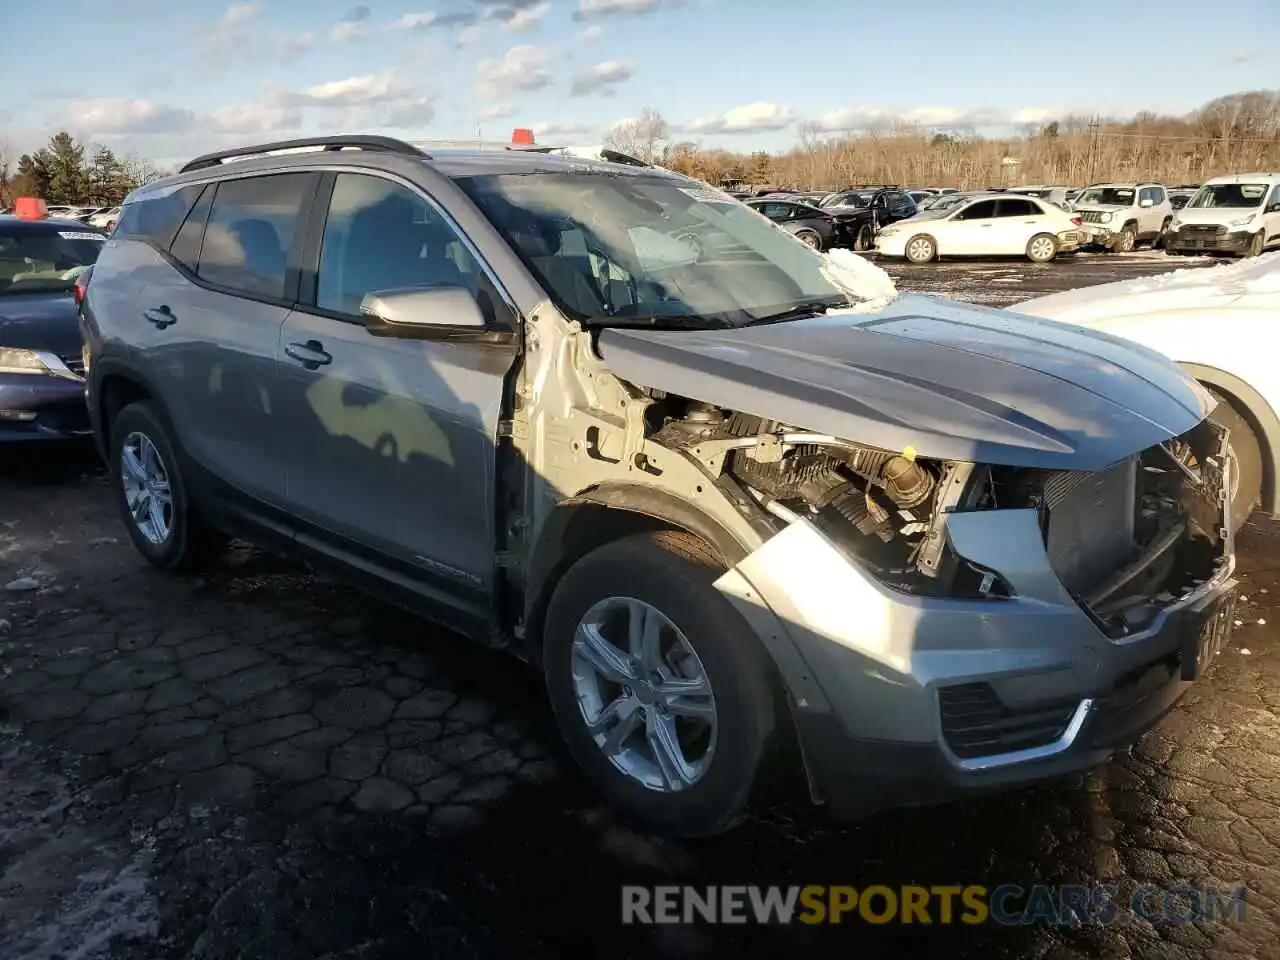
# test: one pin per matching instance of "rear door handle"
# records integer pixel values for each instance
(161, 316)
(311, 354)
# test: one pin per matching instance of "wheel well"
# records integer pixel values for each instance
(117, 393)
(1265, 441)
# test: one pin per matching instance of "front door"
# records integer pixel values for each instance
(392, 441)
(969, 232)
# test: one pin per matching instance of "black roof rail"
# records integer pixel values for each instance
(616, 156)
(345, 142)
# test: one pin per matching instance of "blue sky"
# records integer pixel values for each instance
(166, 80)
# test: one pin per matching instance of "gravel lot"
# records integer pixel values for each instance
(263, 764)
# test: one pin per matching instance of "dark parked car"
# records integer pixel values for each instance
(820, 229)
(42, 264)
(863, 212)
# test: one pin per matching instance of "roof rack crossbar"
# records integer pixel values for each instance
(352, 142)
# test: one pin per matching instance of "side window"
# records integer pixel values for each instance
(979, 211)
(250, 232)
(186, 245)
(155, 218)
(380, 235)
(1021, 207)
(1157, 195)
(1275, 197)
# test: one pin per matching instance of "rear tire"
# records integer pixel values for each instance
(1042, 248)
(921, 248)
(671, 574)
(1248, 453)
(171, 536)
(809, 238)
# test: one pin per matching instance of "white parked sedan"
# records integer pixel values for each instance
(1219, 324)
(999, 225)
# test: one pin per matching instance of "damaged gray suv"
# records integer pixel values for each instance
(738, 501)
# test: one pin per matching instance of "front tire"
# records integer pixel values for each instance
(865, 240)
(662, 695)
(921, 249)
(1257, 244)
(152, 494)
(1126, 239)
(1042, 248)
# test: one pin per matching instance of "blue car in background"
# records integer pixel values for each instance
(41, 365)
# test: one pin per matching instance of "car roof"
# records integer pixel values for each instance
(1246, 178)
(452, 163)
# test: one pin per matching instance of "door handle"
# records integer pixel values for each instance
(311, 354)
(161, 316)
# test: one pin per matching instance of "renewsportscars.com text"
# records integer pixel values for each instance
(1008, 904)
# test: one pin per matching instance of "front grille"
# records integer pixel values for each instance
(1091, 216)
(1091, 523)
(975, 723)
(1204, 229)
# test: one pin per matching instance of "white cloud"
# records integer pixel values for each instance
(239, 14)
(865, 116)
(600, 77)
(230, 34)
(117, 117)
(749, 118)
(428, 19)
(300, 43)
(353, 91)
(523, 67)
(590, 33)
(548, 128)
(253, 118)
(590, 9)
(519, 15)
(468, 36)
(346, 31)
(499, 111)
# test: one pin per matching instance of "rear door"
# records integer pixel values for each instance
(1018, 219)
(391, 442)
(240, 246)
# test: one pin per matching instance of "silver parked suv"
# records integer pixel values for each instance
(612, 420)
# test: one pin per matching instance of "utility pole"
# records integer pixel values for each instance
(1093, 128)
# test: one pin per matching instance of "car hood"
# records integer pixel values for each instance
(952, 381)
(1217, 216)
(40, 321)
(1247, 283)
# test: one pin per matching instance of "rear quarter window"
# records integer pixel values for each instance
(155, 218)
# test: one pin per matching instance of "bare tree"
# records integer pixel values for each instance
(641, 137)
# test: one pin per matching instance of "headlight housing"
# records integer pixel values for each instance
(1105, 218)
(1174, 224)
(17, 360)
(1243, 221)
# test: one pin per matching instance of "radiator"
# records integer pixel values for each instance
(1091, 523)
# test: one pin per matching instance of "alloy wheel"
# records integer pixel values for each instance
(146, 487)
(644, 694)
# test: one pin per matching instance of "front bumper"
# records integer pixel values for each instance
(1097, 234)
(1195, 241)
(877, 678)
(38, 407)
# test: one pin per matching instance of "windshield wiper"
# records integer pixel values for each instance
(806, 308)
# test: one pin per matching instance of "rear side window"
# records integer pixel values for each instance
(186, 245)
(1017, 208)
(250, 233)
(155, 218)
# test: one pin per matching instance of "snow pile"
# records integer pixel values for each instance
(1257, 275)
(860, 278)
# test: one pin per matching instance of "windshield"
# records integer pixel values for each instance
(45, 261)
(1108, 196)
(1237, 195)
(651, 250)
(859, 200)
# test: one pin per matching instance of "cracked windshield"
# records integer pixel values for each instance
(489, 479)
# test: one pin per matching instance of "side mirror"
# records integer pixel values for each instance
(421, 313)
(1274, 208)
(1147, 202)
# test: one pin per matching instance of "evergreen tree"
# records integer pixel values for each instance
(68, 177)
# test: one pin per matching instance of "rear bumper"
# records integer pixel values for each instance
(1187, 241)
(34, 407)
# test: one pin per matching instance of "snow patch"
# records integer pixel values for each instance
(859, 278)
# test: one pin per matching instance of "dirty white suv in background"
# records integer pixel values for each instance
(1119, 216)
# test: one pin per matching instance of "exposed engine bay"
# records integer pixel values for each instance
(1124, 542)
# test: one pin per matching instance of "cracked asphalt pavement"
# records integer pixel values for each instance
(264, 764)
